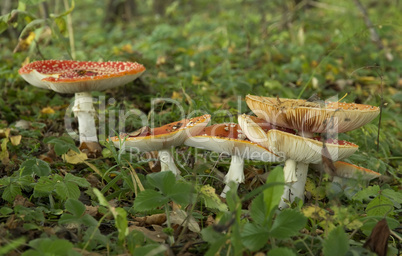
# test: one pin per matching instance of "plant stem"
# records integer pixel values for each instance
(70, 30)
(171, 238)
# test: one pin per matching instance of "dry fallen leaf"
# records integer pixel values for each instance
(378, 240)
(158, 235)
(157, 219)
(73, 157)
(181, 218)
(20, 200)
(15, 140)
(92, 148)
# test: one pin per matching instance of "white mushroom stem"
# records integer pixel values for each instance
(85, 112)
(289, 171)
(294, 189)
(167, 162)
(235, 173)
(295, 174)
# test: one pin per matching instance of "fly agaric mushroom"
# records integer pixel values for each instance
(228, 138)
(162, 139)
(311, 117)
(81, 78)
(295, 149)
(350, 171)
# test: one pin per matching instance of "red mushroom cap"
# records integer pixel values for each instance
(164, 137)
(229, 138)
(68, 76)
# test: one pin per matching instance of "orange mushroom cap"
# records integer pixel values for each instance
(347, 170)
(164, 137)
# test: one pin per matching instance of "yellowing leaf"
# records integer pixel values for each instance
(15, 140)
(4, 133)
(47, 110)
(316, 192)
(4, 155)
(73, 157)
(177, 96)
(211, 199)
(23, 44)
(314, 212)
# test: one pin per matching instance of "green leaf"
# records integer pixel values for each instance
(396, 197)
(76, 207)
(366, 193)
(337, 243)
(47, 246)
(35, 166)
(62, 145)
(12, 245)
(44, 187)
(101, 198)
(89, 220)
(149, 200)
(67, 218)
(272, 195)
(35, 24)
(258, 210)
(280, 251)
(67, 190)
(120, 217)
(164, 181)
(82, 182)
(182, 193)
(287, 223)
(210, 235)
(10, 192)
(254, 236)
(380, 206)
(5, 211)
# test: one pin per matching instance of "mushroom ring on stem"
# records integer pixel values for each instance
(228, 138)
(298, 151)
(81, 78)
(162, 139)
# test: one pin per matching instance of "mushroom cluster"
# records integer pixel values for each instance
(303, 148)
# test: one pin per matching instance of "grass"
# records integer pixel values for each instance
(201, 57)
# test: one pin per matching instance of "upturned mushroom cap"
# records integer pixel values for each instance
(68, 76)
(291, 146)
(229, 138)
(313, 117)
(347, 170)
(164, 137)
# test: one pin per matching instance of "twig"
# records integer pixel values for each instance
(373, 33)
(70, 30)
